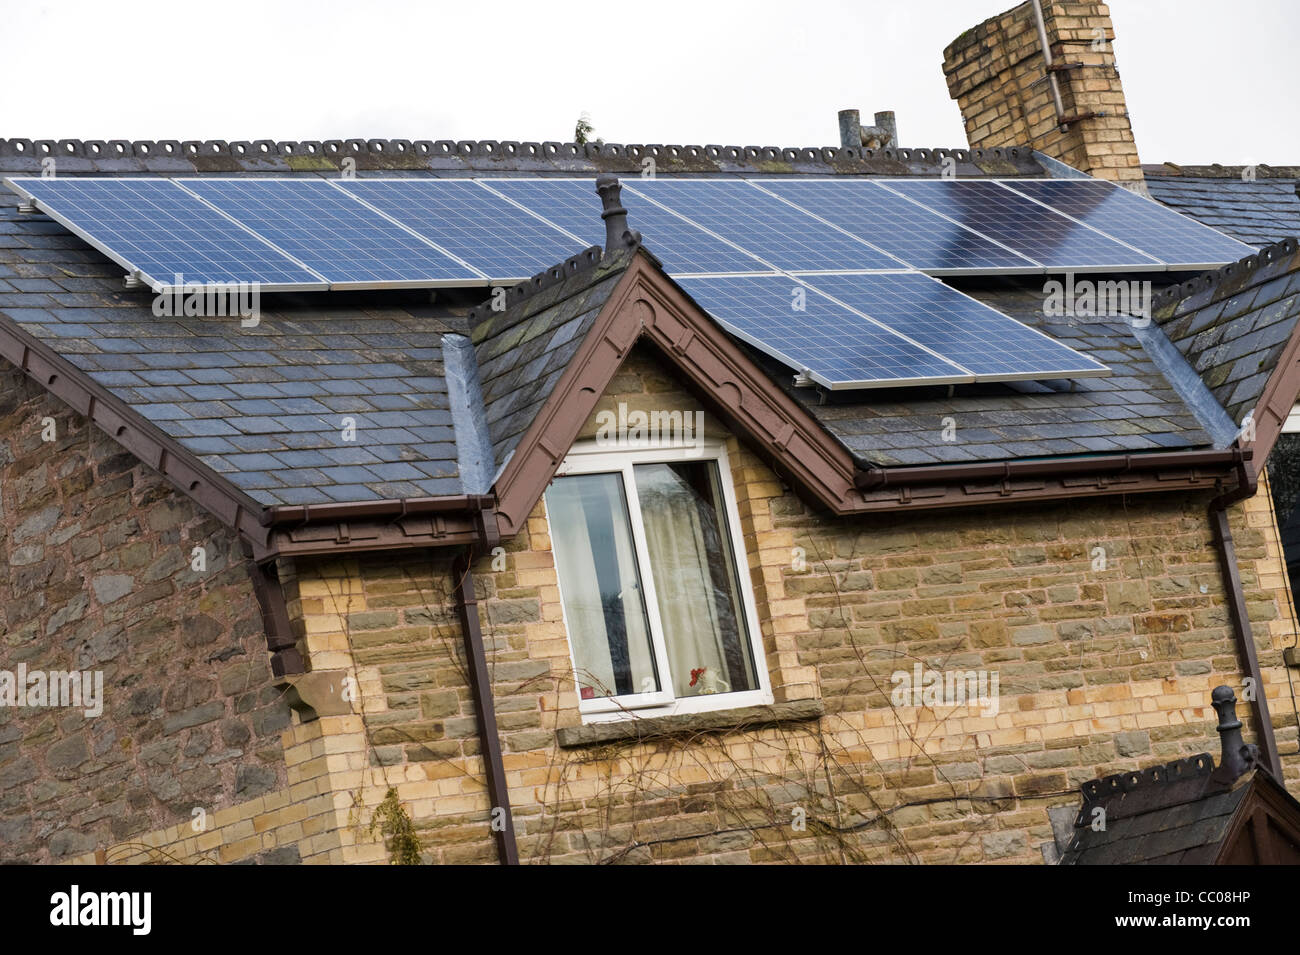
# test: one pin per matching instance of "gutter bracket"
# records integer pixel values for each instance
(286, 660)
(485, 522)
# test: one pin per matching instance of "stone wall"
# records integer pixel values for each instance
(1104, 620)
(96, 574)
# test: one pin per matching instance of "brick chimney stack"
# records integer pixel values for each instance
(1068, 103)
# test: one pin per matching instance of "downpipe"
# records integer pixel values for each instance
(1247, 484)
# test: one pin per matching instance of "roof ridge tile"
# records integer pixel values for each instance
(1206, 288)
(17, 154)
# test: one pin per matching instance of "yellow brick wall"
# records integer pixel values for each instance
(1102, 671)
(995, 72)
(313, 819)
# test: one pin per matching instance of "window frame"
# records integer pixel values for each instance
(594, 457)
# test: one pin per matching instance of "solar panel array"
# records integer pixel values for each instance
(811, 332)
(332, 233)
(855, 252)
(1030, 228)
(966, 332)
(162, 231)
(883, 329)
(1126, 217)
(922, 238)
(684, 248)
(776, 232)
(504, 240)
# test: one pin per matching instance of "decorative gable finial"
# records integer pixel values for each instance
(1237, 757)
(617, 234)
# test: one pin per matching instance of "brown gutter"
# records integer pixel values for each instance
(375, 526)
(503, 828)
(1223, 543)
(400, 507)
(876, 479)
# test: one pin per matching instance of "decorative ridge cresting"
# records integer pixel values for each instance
(1226, 278)
(493, 151)
(584, 261)
(1180, 770)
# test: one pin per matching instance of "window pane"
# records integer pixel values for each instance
(601, 587)
(695, 578)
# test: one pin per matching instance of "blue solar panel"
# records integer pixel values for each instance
(918, 236)
(1031, 229)
(494, 236)
(988, 343)
(331, 232)
(835, 346)
(1140, 222)
(160, 230)
(763, 225)
(573, 205)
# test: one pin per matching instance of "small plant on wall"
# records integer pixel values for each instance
(394, 823)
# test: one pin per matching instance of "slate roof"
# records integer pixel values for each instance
(1166, 815)
(1232, 331)
(1135, 409)
(1257, 211)
(264, 406)
(523, 351)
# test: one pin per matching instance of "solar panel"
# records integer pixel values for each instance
(154, 227)
(804, 329)
(573, 205)
(333, 233)
(763, 225)
(994, 346)
(1140, 222)
(489, 233)
(1026, 226)
(921, 238)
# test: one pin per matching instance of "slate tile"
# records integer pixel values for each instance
(349, 492)
(259, 425)
(162, 412)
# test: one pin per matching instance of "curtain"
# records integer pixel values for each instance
(694, 576)
(604, 604)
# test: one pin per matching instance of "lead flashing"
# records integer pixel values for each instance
(465, 396)
(1191, 388)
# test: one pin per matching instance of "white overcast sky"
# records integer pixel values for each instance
(1206, 81)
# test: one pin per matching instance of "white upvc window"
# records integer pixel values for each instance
(653, 581)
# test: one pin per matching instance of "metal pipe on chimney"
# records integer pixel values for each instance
(1047, 60)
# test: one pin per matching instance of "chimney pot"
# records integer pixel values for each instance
(850, 129)
(885, 120)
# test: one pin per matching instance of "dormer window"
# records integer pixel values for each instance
(654, 582)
